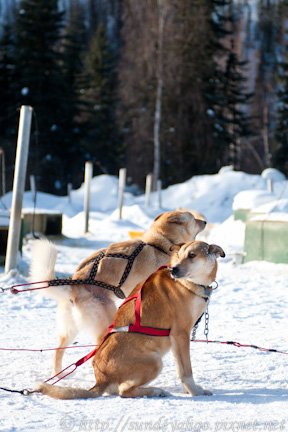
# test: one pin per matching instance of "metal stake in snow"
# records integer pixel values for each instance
(270, 185)
(121, 187)
(148, 189)
(69, 192)
(159, 189)
(87, 183)
(18, 187)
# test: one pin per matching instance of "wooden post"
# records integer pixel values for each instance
(148, 189)
(33, 187)
(121, 188)
(18, 187)
(159, 189)
(69, 190)
(87, 187)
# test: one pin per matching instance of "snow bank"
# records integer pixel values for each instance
(251, 199)
(212, 195)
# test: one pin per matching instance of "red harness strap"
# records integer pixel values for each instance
(131, 328)
(137, 327)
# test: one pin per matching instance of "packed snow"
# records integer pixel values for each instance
(250, 389)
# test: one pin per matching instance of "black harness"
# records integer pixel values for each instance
(91, 278)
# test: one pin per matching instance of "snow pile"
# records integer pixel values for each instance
(212, 195)
(273, 174)
(252, 199)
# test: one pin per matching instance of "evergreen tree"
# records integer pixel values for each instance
(40, 82)
(7, 70)
(227, 89)
(280, 154)
(102, 138)
(194, 135)
(73, 46)
(234, 100)
(280, 150)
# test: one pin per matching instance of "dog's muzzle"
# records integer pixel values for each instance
(175, 271)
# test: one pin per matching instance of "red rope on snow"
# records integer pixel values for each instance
(240, 345)
(47, 349)
(233, 343)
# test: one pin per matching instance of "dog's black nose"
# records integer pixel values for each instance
(175, 271)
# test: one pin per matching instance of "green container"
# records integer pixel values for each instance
(242, 214)
(266, 240)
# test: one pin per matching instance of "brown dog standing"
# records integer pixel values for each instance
(171, 299)
(91, 307)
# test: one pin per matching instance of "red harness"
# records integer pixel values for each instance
(131, 328)
(137, 327)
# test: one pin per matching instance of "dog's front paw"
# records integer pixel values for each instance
(199, 391)
(207, 393)
(158, 392)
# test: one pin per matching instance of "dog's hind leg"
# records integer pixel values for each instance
(145, 370)
(68, 330)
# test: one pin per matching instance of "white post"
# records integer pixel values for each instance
(87, 183)
(121, 188)
(148, 189)
(69, 190)
(33, 187)
(270, 185)
(18, 187)
(159, 189)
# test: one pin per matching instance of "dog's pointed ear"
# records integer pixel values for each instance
(180, 217)
(176, 247)
(158, 217)
(216, 250)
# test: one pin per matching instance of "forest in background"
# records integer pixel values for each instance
(174, 87)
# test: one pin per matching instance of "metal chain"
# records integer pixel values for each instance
(206, 330)
(194, 332)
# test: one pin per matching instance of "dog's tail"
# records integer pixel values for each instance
(42, 268)
(58, 392)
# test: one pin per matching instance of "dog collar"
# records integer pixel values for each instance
(158, 248)
(208, 289)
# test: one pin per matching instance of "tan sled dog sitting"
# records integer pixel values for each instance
(91, 306)
(171, 299)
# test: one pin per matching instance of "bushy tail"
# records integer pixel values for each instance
(58, 392)
(42, 268)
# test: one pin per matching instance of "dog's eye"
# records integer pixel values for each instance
(191, 255)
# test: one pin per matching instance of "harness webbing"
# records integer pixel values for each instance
(91, 278)
(137, 327)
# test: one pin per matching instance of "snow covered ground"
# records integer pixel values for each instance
(250, 388)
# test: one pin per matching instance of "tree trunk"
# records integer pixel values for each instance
(162, 12)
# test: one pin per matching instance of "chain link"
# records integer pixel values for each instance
(206, 330)
(194, 331)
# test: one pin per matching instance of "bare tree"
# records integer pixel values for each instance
(162, 14)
